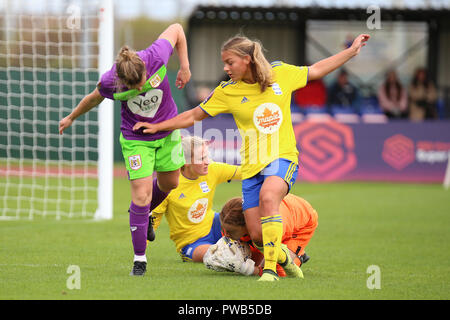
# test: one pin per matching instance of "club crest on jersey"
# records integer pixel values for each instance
(204, 186)
(268, 118)
(155, 81)
(276, 89)
(135, 162)
(197, 212)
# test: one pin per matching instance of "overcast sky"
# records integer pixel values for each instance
(171, 9)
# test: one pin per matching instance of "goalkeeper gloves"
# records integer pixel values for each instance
(247, 267)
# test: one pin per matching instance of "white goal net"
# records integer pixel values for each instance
(49, 60)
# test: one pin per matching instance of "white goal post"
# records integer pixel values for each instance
(106, 125)
(52, 54)
(446, 182)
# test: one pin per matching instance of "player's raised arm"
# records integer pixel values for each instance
(323, 67)
(87, 103)
(175, 34)
(183, 120)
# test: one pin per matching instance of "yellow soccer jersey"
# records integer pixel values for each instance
(188, 208)
(263, 119)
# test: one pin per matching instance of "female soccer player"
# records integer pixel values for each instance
(138, 80)
(258, 95)
(300, 220)
(188, 208)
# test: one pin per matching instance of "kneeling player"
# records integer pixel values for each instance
(193, 224)
(299, 218)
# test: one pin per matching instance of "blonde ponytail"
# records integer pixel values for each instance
(259, 66)
(129, 67)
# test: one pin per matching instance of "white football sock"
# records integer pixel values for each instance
(140, 258)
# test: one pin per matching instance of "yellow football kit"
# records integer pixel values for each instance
(189, 207)
(263, 118)
(265, 125)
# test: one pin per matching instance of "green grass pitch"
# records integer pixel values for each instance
(401, 228)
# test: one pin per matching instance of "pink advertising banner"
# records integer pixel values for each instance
(332, 151)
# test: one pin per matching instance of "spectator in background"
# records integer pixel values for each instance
(343, 94)
(392, 97)
(313, 95)
(422, 97)
(196, 94)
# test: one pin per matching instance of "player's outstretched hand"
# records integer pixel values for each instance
(148, 127)
(183, 77)
(214, 260)
(359, 42)
(246, 267)
(64, 124)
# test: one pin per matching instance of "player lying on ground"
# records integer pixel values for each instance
(300, 221)
(188, 208)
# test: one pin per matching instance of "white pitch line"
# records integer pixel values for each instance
(30, 265)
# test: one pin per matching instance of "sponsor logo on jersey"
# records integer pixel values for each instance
(147, 105)
(268, 118)
(197, 212)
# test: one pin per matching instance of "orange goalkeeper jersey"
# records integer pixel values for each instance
(298, 216)
(300, 219)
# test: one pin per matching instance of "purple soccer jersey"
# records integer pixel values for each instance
(153, 106)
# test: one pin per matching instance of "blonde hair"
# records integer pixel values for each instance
(190, 146)
(129, 68)
(259, 66)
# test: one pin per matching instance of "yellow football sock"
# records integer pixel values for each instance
(281, 254)
(272, 232)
